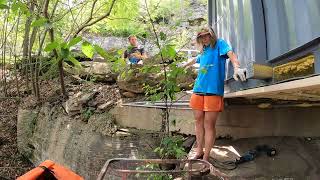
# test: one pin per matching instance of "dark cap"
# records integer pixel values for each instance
(202, 33)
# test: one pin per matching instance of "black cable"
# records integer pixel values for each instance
(248, 156)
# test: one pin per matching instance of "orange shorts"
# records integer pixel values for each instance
(207, 103)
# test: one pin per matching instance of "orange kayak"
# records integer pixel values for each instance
(50, 169)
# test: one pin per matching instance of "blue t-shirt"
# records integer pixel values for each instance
(131, 50)
(211, 73)
(134, 60)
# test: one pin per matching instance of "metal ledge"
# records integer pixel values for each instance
(302, 89)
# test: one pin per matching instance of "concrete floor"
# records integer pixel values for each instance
(297, 158)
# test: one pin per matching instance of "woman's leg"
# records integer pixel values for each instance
(199, 127)
(210, 119)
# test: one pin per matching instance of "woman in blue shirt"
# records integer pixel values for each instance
(207, 98)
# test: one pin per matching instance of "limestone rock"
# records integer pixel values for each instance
(99, 71)
(99, 68)
(103, 123)
(74, 104)
(129, 94)
(105, 106)
(133, 80)
(84, 98)
(25, 128)
(196, 21)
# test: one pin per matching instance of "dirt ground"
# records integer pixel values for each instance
(296, 158)
(12, 163)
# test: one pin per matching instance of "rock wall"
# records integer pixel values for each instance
(49, 133)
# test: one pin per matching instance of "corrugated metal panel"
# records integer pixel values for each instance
(290, 23)
(237, 25)
(269, 32)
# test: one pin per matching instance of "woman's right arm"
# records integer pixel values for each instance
(190, 63)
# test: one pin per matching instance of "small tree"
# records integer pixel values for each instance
(168, 87)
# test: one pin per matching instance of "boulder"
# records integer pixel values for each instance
(132, 80)
(98, 68)
(86, 97)
(72, 105)
(196, 21)
(105, 106)
(129, 94)
(26, 125)
(97, 71)
(76, 102)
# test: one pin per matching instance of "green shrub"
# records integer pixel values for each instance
(171, 147)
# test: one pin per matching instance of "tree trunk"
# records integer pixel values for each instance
(25, 45)
(15, 53)
(60, 61)
(33, 64)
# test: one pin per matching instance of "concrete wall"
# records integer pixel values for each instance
(238, 122)
(140, 118)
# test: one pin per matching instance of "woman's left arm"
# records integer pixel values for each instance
(236, 67)
(234, 60)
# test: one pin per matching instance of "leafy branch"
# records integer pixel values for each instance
(89, 21)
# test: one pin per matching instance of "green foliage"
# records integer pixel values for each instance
(150, 69)
(87, 49)
(168, 51)
(127, 72)
(75, 62)
(63, 50)
(127, 17)
(64, 54)
(123, 21)
(20, 6)
(3, 4)
(74, 41)
(155, 176)
(50, 69)
(163, 9)
(131, 27)
(101, 52)
(171, 147)
(87, 113)
(153, 92)
(163, 36)
(119, 63)
(39, 22)
(203, 70)
(166, 87)
(51, 46)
